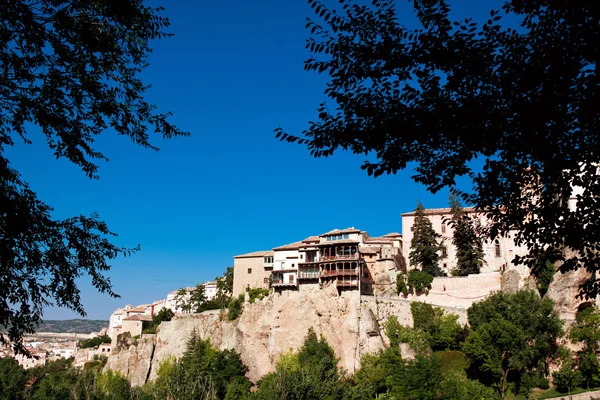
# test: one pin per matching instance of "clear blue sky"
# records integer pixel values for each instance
(231, 74)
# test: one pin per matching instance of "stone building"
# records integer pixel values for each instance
(252, 270)
(333, 258)
(498, 254)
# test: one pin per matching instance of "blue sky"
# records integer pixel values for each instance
(231, 74)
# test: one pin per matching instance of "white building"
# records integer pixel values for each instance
(210, 290)
(285, 265)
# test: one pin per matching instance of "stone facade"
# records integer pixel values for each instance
(252, 270)
(498, 254)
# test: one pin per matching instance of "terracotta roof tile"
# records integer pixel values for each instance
(369, 250)
(256, 254)
(338, 231)
(438, 211)
(139, 318)
(392, 234)
(290, 246)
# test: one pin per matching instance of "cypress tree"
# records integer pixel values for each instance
(424, 245)
(469, 252)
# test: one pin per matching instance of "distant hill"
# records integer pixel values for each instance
(72, 326)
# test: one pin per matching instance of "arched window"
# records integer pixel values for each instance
(497, 248)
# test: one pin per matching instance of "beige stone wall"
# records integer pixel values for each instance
(492, 261)
(133, 327)
(243, 279)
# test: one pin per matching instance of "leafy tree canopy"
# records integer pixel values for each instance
(70, 69)
(511, 334)
(522, 102)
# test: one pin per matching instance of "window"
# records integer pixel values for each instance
(366, 274)
(444, 251)
(268, 260)
(291, 278)
(346, 236)
(497, 249)
(445, 265)
(443, 227)
(293, 265)
(266, 281)
(249, 270)
(301, 256)
(412, 228)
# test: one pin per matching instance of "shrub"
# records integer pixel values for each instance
(257, 294)
(401, 284)
(235, 308)
(94, 342)
(419, 282)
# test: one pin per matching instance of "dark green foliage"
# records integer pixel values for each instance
(71, 70)
(567, 378)
(94, 342)
(423, 315)
(444, 332)
(257, 294)
(401, 286)
(586, 331)
(235, 308)
(424, 246)
(225, 283)
(417, 379)
(12, 379)
(419, 282)
(469, 252)
(417, 339)
(165, 314)
(443, 90)
(511, 334)
(311, 374)
(543, 269)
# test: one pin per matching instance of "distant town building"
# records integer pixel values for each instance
(252, 270)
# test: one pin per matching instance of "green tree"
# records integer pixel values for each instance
(586, 331)
(419, 281)
(567, 378)
(423, 316)
(401, 286)
(191, 300)
(12, 379)
(511, 334)
(543, 269)
(424, 246)
(441, 94)
(71, 70)
(469, 252)
(165, 314)
(419, 379)
(225, 283)
(93, 342)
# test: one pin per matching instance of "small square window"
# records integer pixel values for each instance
(346, 236)
(266, 281)
(445, 265)
(249, 270)
(443, 228)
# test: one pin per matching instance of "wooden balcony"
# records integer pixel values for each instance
(339, 257)
(308, 275)
(340, 272)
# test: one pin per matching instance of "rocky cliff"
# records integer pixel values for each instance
(272, 326)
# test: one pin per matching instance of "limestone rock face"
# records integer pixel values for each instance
(563, 290)
(352, 325)
(133, 363)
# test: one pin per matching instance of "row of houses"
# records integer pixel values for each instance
(351, 259)
(131, 319)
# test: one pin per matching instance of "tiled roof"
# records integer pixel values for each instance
(392, 234)
(311, 239)
(438, 211)
(369, 250)
(256, 254)
(290, 246)
(139, 318)
(338, 231)
(376, 239)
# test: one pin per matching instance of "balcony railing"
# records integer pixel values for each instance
(308, 275)
(340, 272)
(278, 282)
(347, 283)
(339, 257)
